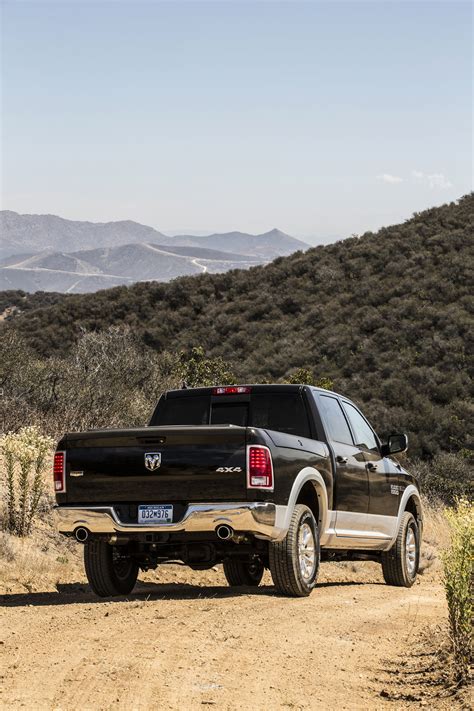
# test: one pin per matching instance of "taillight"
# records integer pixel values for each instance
(232, 390)
(59, 472)
(259, 467)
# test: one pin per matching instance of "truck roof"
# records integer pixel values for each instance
(254, 387)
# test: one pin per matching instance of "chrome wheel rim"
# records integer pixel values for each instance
(410, 551)
(306, 551)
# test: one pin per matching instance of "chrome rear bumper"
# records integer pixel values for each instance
(253, 517)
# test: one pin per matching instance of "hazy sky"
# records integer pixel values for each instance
(320, 118)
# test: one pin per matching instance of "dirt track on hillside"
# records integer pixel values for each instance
(192, 642)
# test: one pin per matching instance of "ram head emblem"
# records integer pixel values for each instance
(152, 460)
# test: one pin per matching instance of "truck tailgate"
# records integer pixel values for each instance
(185, 463)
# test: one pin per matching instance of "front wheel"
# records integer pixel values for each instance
(243, 572)
(110, 571)
(294, 561)
(400, 563)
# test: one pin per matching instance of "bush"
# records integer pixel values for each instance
(305, 376)
(446, 477)
(24, 456)
(109, 379)
(195, 370)
(458, 563)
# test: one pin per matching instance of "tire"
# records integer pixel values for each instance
(295, 572)
(400, 563)
(243, 572)
(109, 573)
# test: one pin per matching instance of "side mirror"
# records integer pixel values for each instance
(395, 443)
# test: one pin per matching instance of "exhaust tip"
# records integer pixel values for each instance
(224, 532)
(82, 534)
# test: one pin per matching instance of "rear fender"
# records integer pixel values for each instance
(284, 513)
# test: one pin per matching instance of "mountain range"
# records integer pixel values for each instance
(50, 253)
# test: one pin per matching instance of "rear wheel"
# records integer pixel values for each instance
(110, 571)
(294, 562)
(400, 563)
(243, 572)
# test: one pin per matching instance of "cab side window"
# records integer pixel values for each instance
(363, 433)
(335, 420)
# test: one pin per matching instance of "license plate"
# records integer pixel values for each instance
(155, 513)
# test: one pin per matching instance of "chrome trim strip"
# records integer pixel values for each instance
(354, 533)
(258, 518)
(365, 525)
(362, 531)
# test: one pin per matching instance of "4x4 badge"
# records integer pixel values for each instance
(152, 460)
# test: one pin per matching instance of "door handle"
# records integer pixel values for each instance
(341, 460)
(372, 467)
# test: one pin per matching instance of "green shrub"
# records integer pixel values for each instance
(458, 564)
(305, 376)
(196, 370)
(446, 477)
(24, 458)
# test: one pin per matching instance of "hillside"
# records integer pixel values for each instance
(386, 316)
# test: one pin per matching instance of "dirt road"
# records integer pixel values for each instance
(191, 642)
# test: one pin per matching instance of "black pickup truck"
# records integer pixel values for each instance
(251, 476)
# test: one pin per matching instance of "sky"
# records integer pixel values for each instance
(320, 118)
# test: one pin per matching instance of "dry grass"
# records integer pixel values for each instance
(42, 560)
(38, 562)
(458, 562)
(435, 537)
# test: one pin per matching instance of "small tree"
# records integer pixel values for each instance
(458, 564)
(196, 370)
(305, 376)
(24, 454)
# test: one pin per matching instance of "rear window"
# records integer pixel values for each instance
(182, 411)
(283, 412)
(230, 413)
